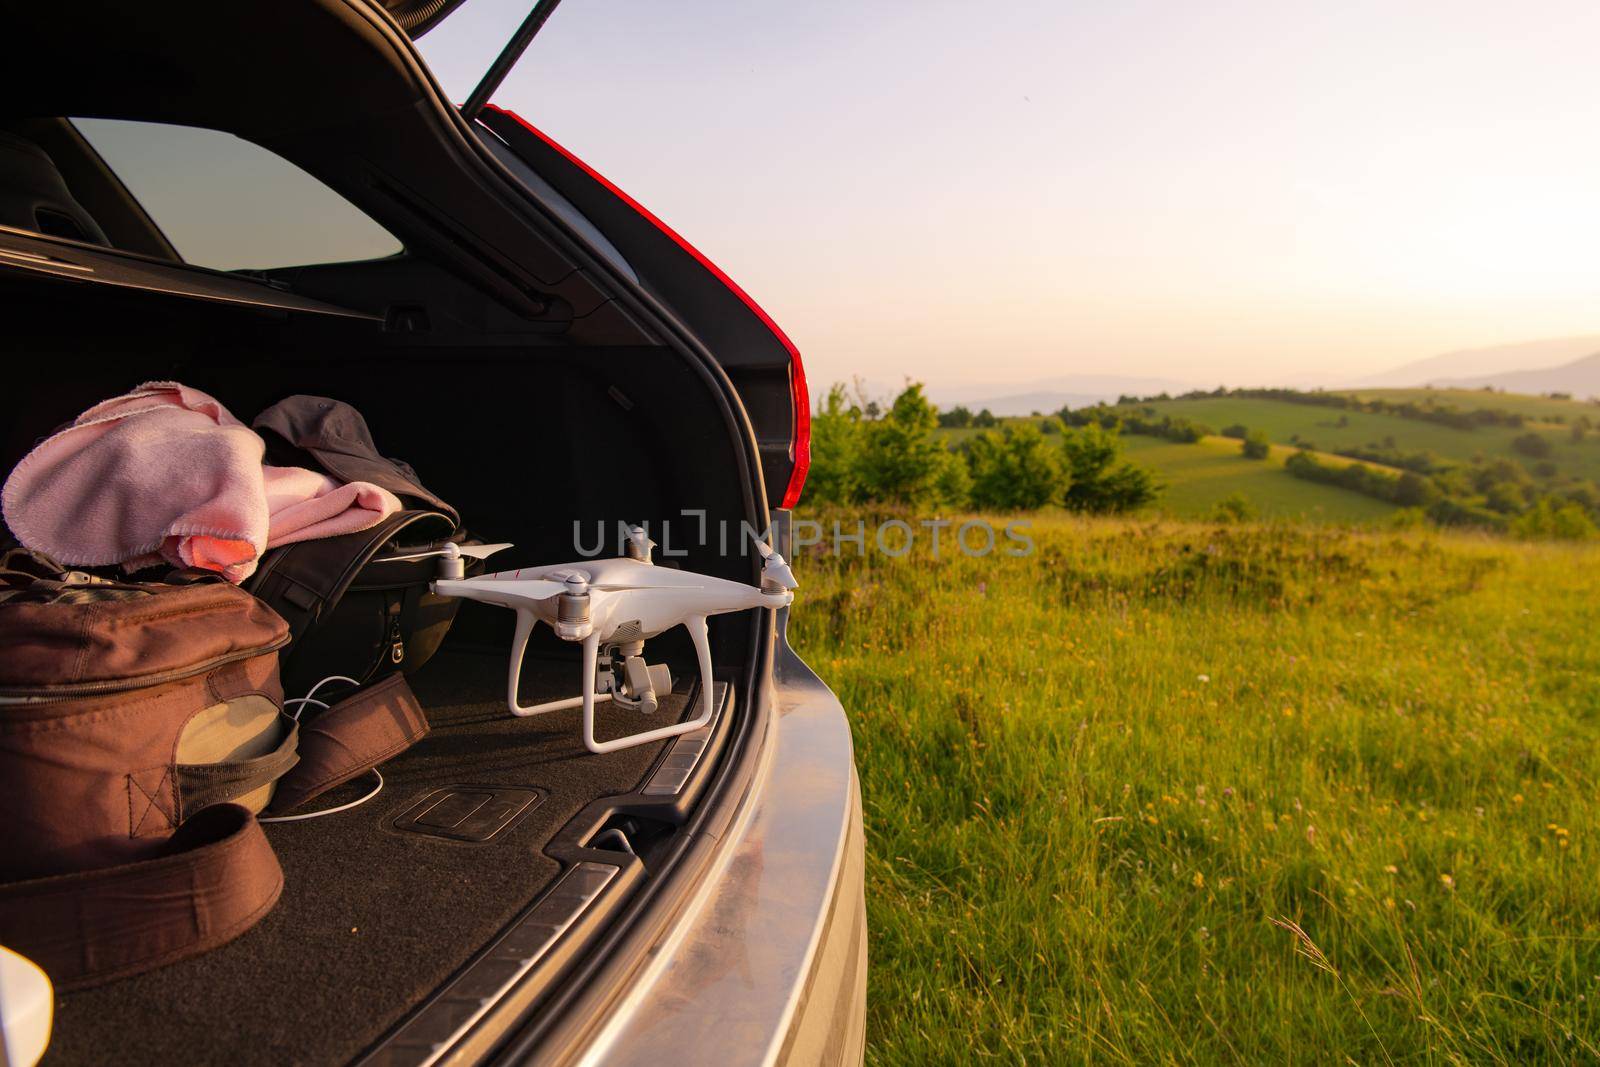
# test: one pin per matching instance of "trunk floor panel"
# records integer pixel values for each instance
(373, 920)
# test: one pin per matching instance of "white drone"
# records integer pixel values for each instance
(615, 605)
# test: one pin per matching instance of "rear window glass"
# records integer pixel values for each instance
(228, 204)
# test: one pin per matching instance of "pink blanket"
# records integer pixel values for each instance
(166, 473)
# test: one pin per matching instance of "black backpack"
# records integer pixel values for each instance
(351, 609)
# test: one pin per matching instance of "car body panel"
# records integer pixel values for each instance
(768, 962)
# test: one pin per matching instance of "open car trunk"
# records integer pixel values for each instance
(534, 441)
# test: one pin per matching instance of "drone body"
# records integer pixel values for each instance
(616, 605)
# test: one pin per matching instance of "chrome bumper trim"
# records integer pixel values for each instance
(430, 1034)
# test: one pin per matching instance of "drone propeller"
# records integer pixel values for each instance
(513, 589)
(449, 550)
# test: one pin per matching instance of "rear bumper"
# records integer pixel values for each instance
(767, 964)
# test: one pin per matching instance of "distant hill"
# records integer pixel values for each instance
(1028, 403)
(1336, 430)
(1580, 378)
(1478, 365)
(1051, 394)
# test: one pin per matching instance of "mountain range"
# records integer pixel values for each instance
(1500, 366)
(1580, 379)
(1052, 394)
(1553, 365)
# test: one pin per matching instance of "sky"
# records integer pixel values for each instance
(1238, 192)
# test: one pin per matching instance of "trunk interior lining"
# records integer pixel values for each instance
(372, 920)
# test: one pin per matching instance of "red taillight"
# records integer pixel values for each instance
(802, 425)
(798, 393)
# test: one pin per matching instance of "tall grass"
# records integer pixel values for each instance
(1172, 792)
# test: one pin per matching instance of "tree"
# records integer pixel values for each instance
(956, 418)
(1098, 483)
(952, 485)
(902, 458)
(1412, 490)
(836, 440)
(1238, 431)
(1257, 445)
(1015, 468)
(985, 420)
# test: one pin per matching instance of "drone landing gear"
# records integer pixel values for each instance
(637, 689)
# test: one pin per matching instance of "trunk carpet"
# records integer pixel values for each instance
(371, 920)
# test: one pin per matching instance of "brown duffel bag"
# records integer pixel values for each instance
(126, 711)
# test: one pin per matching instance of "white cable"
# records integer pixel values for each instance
(332, 811)
(301, 702)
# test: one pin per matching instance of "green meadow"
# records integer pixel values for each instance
(1197, 477)
(1329, 429)
(1174, 792)
(1527, 405)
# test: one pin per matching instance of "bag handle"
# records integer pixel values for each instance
(89, 927)
(304, 579)
(200, 785)
(375, 724)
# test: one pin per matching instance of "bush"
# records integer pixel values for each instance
(1505, 497)
(1412, 490)
(1423, 461)
(1237, 431)
(1235, 507)
(1185, 431)
(1408, 519)
(1533, 445)
(1014, 469)
(1100, 485)
(1485, 476)
(1257, 445)
(1561, 522)
(1357, 477)
(1448, 512)
(1143, 422)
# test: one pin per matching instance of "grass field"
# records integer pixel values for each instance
(1281, 420)
(1166, 792)
(1533, 407)
(1198, 476)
